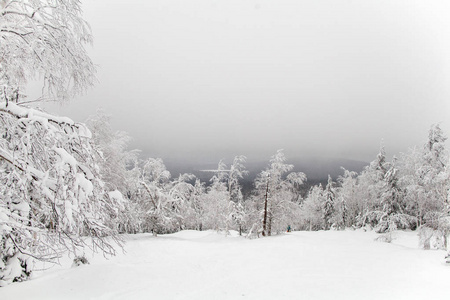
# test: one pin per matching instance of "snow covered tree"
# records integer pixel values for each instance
(312, 209)
(216, 202)
(385, 206)
(254, 209)
(133, 218)
(350, 204)
(51, 192)
(115, 165)
(44, 39)
(237, 172)
(112, 146)
(162, 204)
(425, 179)
(156, 201)
(239, 216)
(194, 219)
(181, 191)
(278, 190)
(434, 178)
(392, 214)
(409, 179)
(220, 204)
(433, 173)
(371, 183)
(328, 208)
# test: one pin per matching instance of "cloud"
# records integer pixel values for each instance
(327, 78)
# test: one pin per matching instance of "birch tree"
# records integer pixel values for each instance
(277, 187)
(44, 40)
(51, 192)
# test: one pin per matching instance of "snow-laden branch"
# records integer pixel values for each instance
(44, 39)
(51, 186)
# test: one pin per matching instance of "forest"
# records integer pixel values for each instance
(66, 186)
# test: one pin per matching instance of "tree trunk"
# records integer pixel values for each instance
(269, 230)
(265, 207)
(446, 239)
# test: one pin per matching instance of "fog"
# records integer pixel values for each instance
(207, 79)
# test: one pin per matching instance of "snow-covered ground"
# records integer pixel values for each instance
(206, 265)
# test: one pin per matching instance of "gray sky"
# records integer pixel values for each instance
(226, 77)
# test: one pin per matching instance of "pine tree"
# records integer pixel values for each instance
(371, 182)
(434, 180)
(392, 215)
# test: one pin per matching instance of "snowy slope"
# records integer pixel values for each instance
(207, 265)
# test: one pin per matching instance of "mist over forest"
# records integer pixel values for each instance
(316, 169)
(300, 145)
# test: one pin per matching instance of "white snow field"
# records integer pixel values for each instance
(207, 265)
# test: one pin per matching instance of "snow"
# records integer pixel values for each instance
(84, 131)
(23, 207)
(13, 269)
(116, 195)
(66, 158)
(84, 184)
(33, 114)
(207, 265)
(118, 198)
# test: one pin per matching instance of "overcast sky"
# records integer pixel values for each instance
(218, 78)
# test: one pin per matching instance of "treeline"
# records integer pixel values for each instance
(65, 186)
(409, 192)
